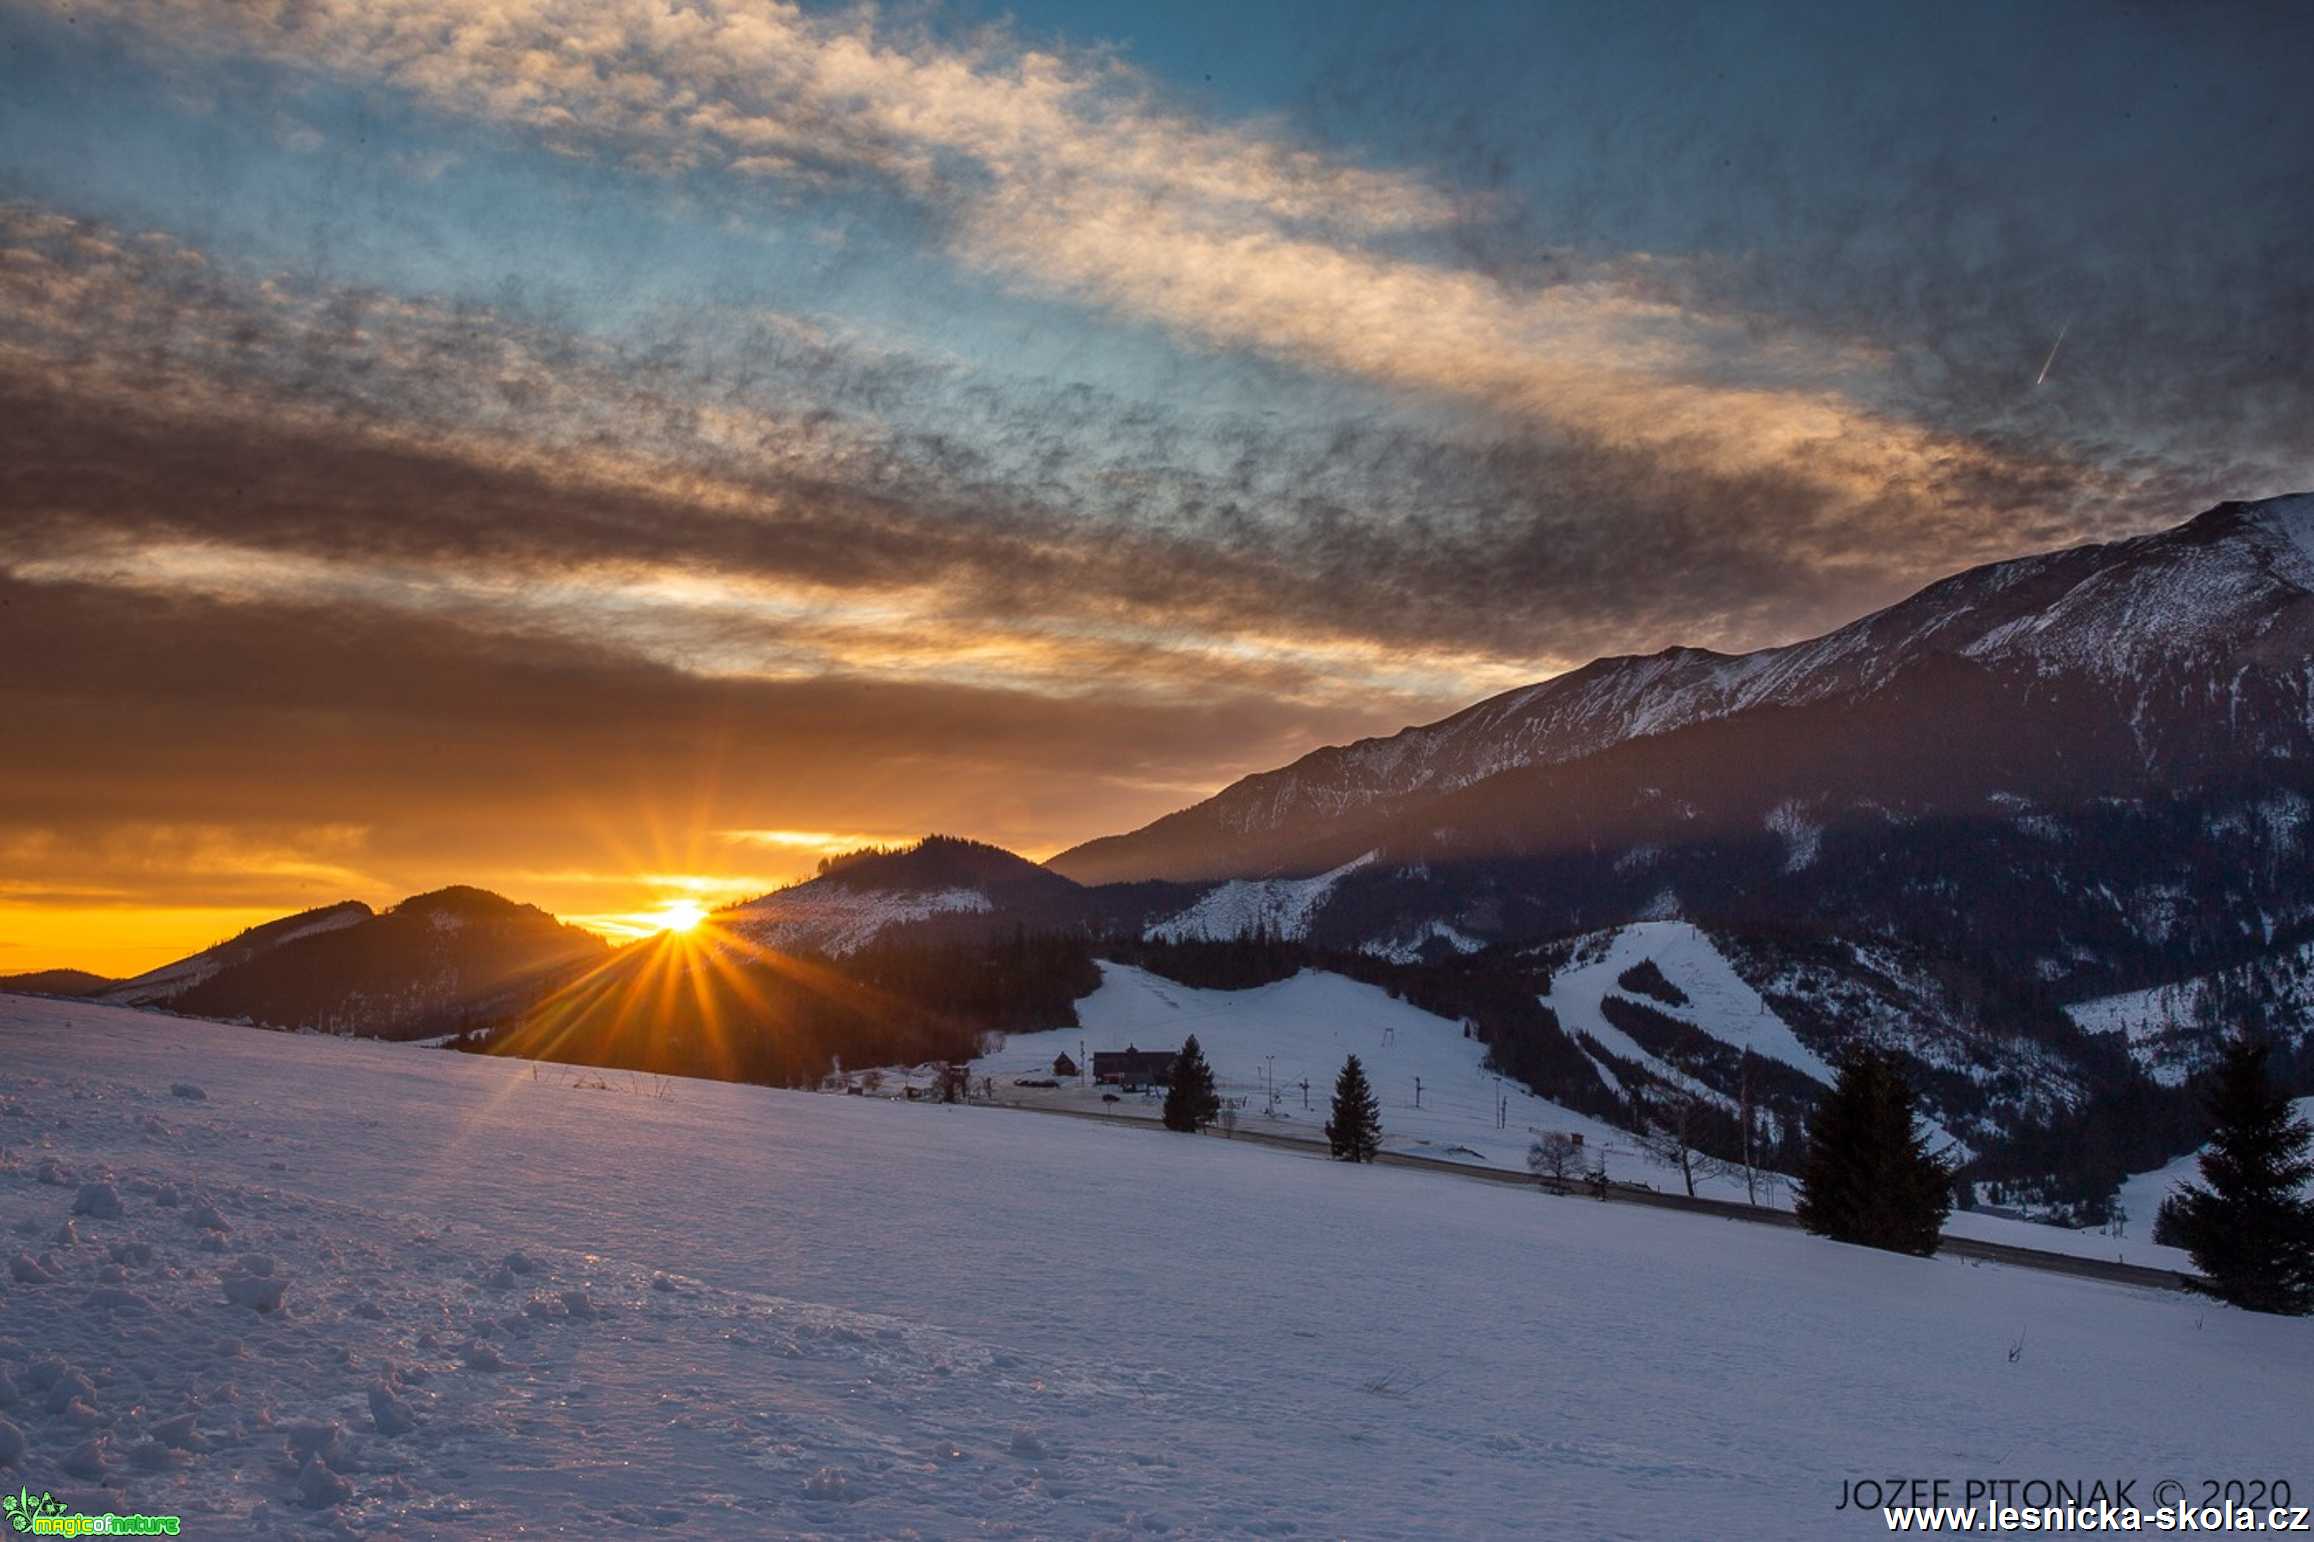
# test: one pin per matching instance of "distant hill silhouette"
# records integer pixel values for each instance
(435, 963)
(941, 886)
(173, 979)
(712, 1003)
(56, 982)
(935, 862)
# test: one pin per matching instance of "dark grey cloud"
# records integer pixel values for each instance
(1946, 188)
(166, 399)
(460, 749)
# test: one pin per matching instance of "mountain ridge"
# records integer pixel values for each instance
(2042, 615)
(941, 881)
(435, 962)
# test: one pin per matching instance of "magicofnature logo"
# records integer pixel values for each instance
(47, 1516)
(22, 1509)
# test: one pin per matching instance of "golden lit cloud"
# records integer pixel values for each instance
(826, 843)
(736, 626)
(1085, 184)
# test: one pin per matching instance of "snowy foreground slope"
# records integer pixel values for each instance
(802, 1315)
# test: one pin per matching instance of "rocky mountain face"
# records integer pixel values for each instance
(2093, 769)
(2072, 779)
(2184, 654)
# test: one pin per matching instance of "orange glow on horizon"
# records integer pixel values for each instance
(658, 874)
(120, 940)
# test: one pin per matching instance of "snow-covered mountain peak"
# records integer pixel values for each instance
(2137, 623)
(2287, 524)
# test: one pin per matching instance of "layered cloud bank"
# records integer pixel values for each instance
(1240, 441)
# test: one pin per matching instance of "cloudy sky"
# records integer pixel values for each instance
(612, 450)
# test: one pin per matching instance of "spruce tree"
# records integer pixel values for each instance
(1191, 1103)
(1868, 1176)
(2248, 1224)
(1355, 1130)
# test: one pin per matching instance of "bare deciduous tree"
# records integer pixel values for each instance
(1759, 1184)
(1554, 1158)
(1676, 1120)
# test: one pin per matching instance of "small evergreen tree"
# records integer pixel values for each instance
(1191, 1103)
(2169, 1221)
(2248, 1224)
(1868, 1176)
(1355, 1130)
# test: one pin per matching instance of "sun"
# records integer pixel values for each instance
(680, 915)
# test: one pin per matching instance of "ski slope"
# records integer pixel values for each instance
(1719, 1002)
(727, 1309)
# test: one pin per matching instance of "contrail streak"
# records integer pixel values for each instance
(2043, 377)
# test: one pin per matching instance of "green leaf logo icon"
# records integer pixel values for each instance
(23, 1509)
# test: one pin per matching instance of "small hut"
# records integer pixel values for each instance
(1064, 1066)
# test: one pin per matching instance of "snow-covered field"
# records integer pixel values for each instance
(1300, 1029)
(777, 1314)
